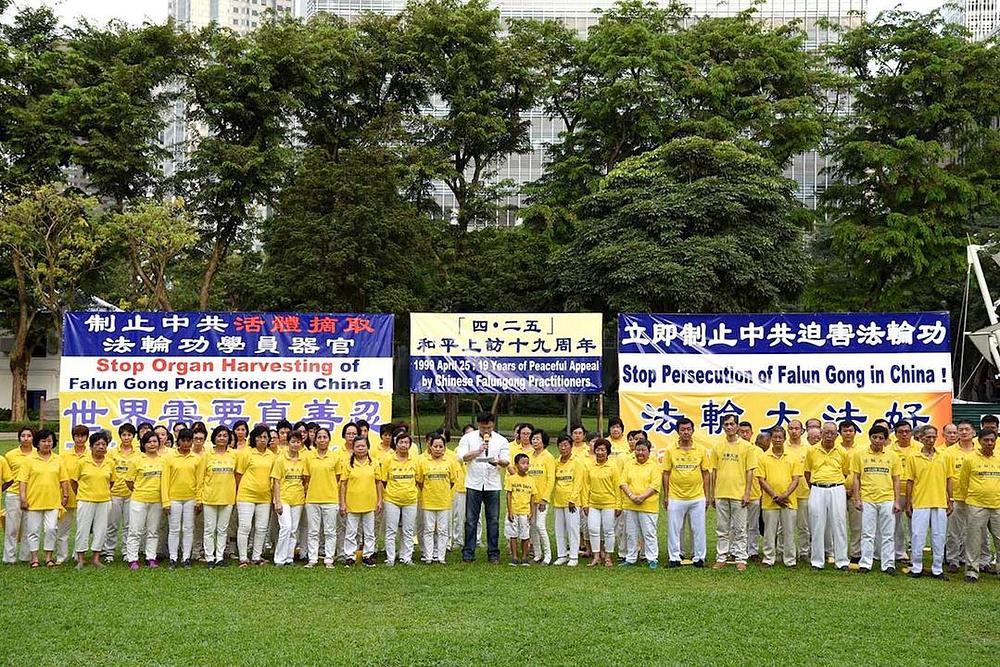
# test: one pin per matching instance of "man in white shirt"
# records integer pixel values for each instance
(486, 453)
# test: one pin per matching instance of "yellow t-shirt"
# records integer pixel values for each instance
(640, 477)
(255, 483)
(289, 473)
(146, 474)
(180, 478)
(601, 486)
(731, 462)
(619, 447)
(43, 479)
(876, 471)
(15, 458)
(323, 472)
(543, 470)
(71, 459)
(981, 478)
(851, 453)
(755, 490)
(459, 468)
(568, 486)
(686, 468)
(217, 474)
(827, 467)
(778, 472)
(929, 477)
(437, 477)
(121, 459)
(956, 456)
(800, 451)
(94, 481)
(6, 475)
(361, 496)
(400, 479)
(523, 492)
(581, 452)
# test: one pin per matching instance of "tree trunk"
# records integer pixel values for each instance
(451, 413)
(576, 408)
(20, 354)
(214, 261)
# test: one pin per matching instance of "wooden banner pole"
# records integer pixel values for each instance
(600, 414)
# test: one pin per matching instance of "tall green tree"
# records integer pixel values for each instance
(917, 170)
(696, 225)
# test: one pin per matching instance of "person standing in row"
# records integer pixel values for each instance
(217, 494)
(954, 549)
(876, 474)
(567, 493)
(179, 497)
(92, 480)
(398, 474)
(145, 481)
(640, 486)
(322, 472)
(289, 495)
(118, 514)
(686, 475)
(780, 474)
(848, 441)
(71, 461)
(43, 489)
(826, 468)
(16, 527)
(253, 495)
(904, 448)
(522, 499)
(543, 471)
(980, 479)
(929, 482)
(798, 447)
(360, 501)
(487, 453)
(602, 503)
(733, 464)
(437, 477)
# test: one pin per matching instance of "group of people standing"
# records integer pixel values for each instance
(819, 491)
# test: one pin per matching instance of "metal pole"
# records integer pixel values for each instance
(972, 254)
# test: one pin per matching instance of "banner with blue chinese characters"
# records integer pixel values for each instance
(769, 369)
(219, 368)
(505, 353)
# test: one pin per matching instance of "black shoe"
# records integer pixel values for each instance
(952, 569)
(172, 565)
(914, 575)
(186, 565)
(673, 563)
(222, 563)
(940, 576)
(210, 565)
(818, 569)
(699, 563)
(969, 579)
(891, 571)
(369, 562)
(844, 568)
(349, 562)
(864, 570)
(855, 561)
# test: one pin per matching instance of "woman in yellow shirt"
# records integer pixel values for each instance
(241, 431)
(92, 481)
(543, 471)
(360, 500)
(253, 495)
(179, 497)
(145, 480)
(289, 493)
(322, 471)
(216, 486)
(43, 487)
(566, 493)
(640, 486)
(120, 495)
(398, 474)
(602, 502)
(436, 479)
(16, 526)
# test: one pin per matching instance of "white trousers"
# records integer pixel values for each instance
(802, 526)
(91, 526)
(828, 507)
(641, 525)
(435, 544)
(753, 528)
(15, 529)
(540, 545)
(878, 527)
(399, 519)
(730, 530)
(936, 521)
(366, 523)
(677, 512)
(256, 516)
(457, 533)
(66, 524)
(567, 533)
(980, 521)
(288, 533)
(181, 535)
(117, 516)
(601, 528)
(42, 523)
(144, 524)
(322, 516)
(216, 531)
(783, 519)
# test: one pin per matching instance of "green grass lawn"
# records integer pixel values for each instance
(494, 615)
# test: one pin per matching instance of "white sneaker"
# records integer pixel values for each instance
(561, 561)
(547, 560)
(572, 563)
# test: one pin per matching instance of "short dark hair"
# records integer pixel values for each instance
(543, 434)
(343, 430)
(259, 430)
(902, 422)
(199, 427)
(845, 423)
(987, 431)
(126, 428)
(601, 442)
(726, 418)
(988, 418)
(520, 457)
(147, 436)
(644, 443)
(295, 435)
(80, 429)
(395, 438)
(616, 421)
(563, 437)
(97, 437)
(42, 434)
(576, 425)
(486, 418)
(878, 429)
(746, 423)
(965, 421)
(283, 423)
(185, 434)
(221, 428)
(683, 420)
